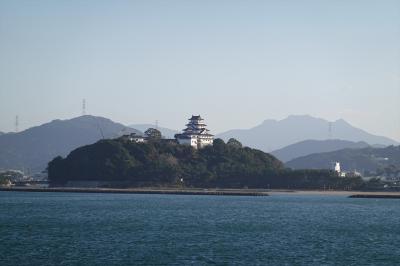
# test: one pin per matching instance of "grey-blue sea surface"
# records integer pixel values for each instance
(127, 229)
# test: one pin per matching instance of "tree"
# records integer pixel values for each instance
(153, 133)
(234, 143)
(218, 145)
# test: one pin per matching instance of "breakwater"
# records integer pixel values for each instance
(376, 196)
(216, 192)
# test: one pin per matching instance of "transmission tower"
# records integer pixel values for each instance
(330, 130)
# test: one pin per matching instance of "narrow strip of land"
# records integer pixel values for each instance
(216, 192)
(345, 193)
(376, 196)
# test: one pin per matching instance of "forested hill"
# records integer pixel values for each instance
(364, 160)
(162, 163)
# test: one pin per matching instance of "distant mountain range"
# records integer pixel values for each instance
(33, 148)
(166, 132)
(365, 159)
(272, 135)
(307, 147)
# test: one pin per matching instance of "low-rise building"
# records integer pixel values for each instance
(133, 137)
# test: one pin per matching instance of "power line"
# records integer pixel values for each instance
(16, 124)
(84, 107)
(100, 129)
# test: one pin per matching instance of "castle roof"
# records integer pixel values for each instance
(195, 127)
(196, 117)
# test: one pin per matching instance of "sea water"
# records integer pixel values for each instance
(128, 229)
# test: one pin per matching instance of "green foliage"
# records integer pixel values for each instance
(7, 177)
(4, 180)
(10, 175)
(234, 143)
(153, 134)
(159, 163)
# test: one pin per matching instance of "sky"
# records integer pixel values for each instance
(236, 63)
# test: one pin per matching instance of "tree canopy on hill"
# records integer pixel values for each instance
(153, 133)
(161, 163)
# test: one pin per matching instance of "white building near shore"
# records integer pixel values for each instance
(338, 168)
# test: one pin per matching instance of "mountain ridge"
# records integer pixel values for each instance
(306, 147)
(32, 148)
(272, 134)
(364, 160)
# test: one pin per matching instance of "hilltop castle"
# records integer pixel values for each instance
(195, 134)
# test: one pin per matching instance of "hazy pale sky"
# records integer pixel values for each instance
(236, 63)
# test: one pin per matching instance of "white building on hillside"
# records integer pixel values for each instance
(133, 137)
(195, 134)
(338, 168)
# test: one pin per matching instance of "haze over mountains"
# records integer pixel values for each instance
(307, 147)
(272, 135)
(32, 149)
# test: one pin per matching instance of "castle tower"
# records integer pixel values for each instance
(195, 134)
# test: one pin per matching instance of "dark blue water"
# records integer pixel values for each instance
(120, 229)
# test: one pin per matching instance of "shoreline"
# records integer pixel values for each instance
(211, 192)
(165, 191)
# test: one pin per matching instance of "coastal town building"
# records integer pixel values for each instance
(337, 168)
(195, 134)
(341, 173)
